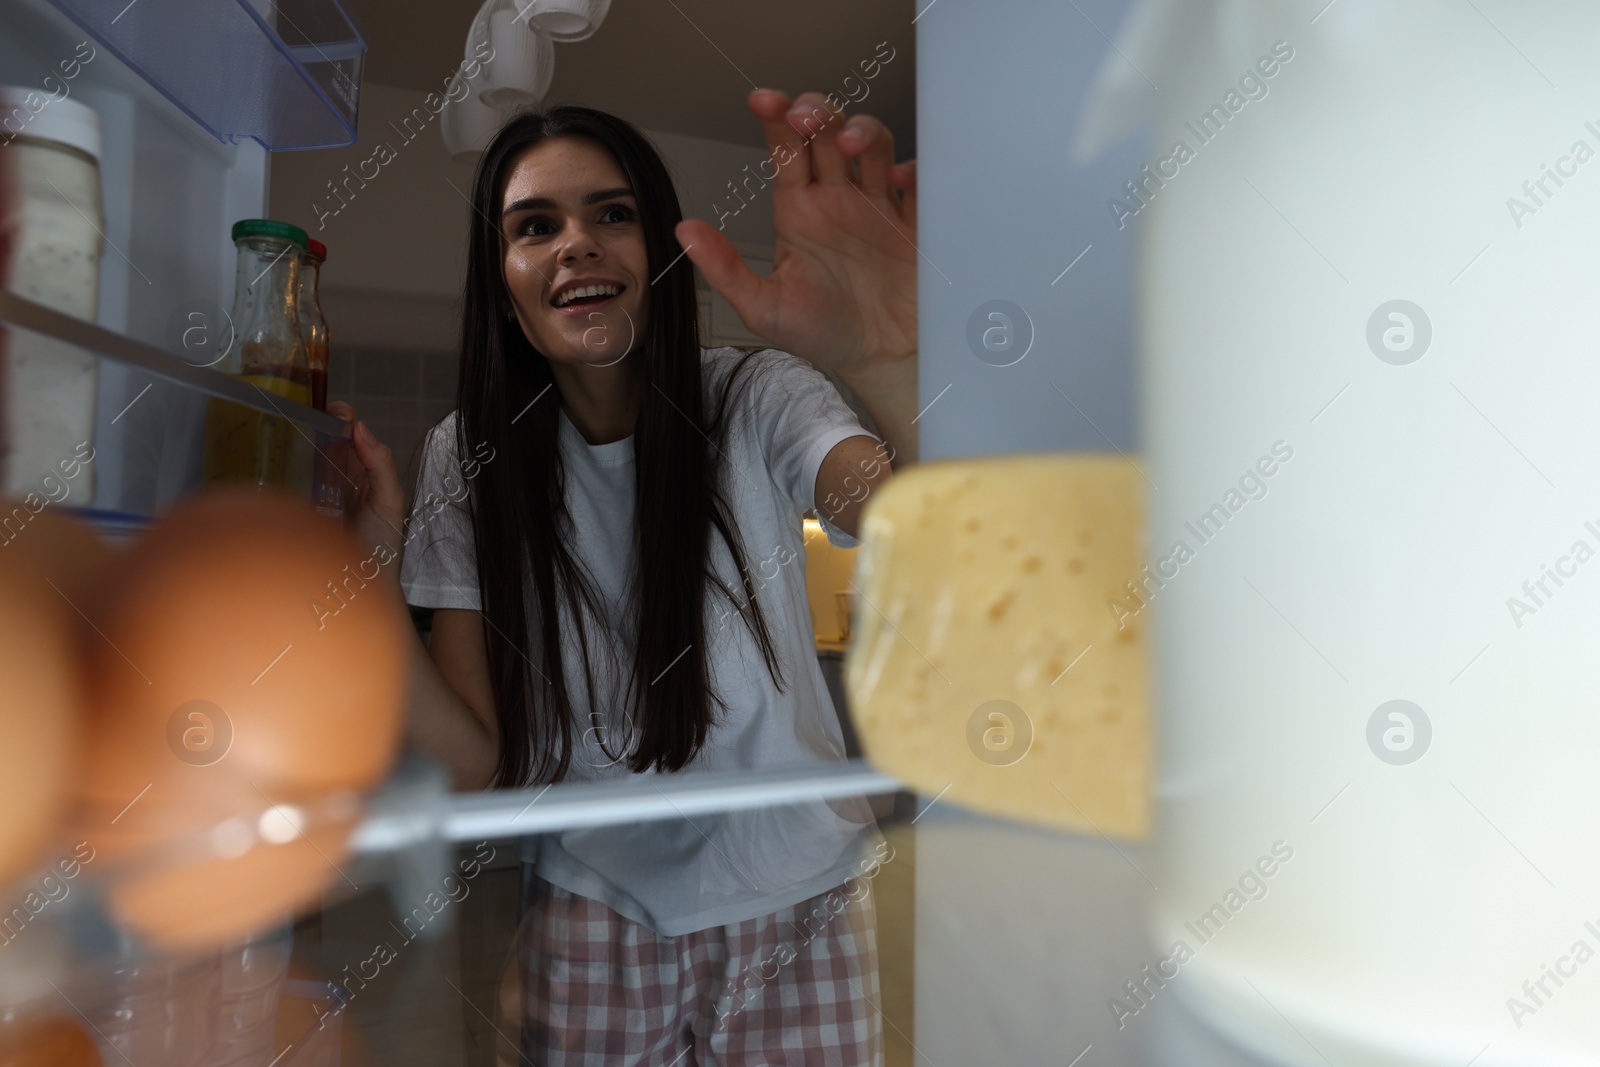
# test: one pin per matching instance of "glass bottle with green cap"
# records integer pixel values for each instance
(264, 347)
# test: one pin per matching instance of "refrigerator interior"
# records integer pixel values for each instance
(996, 941)
(170, 193)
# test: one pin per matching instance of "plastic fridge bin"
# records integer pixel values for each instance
(286, 73)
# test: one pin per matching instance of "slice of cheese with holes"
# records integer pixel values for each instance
(995, 651)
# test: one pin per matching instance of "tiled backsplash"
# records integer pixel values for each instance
(398, 393)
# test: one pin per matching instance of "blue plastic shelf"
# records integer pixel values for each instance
(285, 73)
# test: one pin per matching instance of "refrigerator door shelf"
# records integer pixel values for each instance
(284, 73)
(16, 311)
(160, 400)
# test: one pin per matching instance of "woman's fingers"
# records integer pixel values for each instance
(347, 453)
(378, 510)
(727, 272)
(807, 137)
(790, 156)
(385, 499)
(343, 452)
(870, 141)
(813, 119)
(903, 176)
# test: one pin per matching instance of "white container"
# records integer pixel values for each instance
(58, 220)
(1443, 453)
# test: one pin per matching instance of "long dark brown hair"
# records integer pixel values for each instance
(521, 527)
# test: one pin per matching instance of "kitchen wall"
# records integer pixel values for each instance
(397, 253)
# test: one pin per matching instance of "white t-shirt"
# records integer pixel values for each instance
(682, 875)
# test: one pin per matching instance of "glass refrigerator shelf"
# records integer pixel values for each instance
(284, 73)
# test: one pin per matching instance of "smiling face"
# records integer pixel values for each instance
(571, 224)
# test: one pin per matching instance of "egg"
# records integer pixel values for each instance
(68, 554)
(245, 621)
(263, 862)
(60, 548)
(249, 658)
(56, 1041)
(39, 714)
(198, 856)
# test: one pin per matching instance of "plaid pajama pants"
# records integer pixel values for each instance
(795, 987)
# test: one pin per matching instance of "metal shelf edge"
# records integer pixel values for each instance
(520, 812)
(36, 318)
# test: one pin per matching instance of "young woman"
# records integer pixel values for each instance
(609, 531)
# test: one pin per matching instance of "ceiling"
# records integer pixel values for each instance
(682, 66)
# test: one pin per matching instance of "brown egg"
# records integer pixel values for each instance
(39, 712)
(198, 855)
(58, 547)
(248, 660)
(69, 555)
(180, 904)
(243, 624)
(56, 1041)
(171, 814)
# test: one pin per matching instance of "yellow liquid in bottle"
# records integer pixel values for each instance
(246, 446)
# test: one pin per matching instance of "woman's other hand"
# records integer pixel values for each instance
(375, 508)
(843, 289)
(451, 715)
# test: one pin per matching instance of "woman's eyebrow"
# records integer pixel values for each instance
(527, 203)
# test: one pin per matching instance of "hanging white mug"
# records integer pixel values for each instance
(523, 64)
(564, 21)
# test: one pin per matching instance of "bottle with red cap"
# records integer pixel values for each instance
(327, 485)
(313, 326)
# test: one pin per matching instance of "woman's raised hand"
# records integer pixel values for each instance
(843, 288)
(375, 511)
